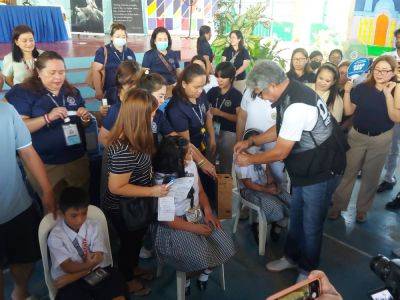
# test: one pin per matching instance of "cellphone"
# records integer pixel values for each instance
(170, 183)
(305, 290)
(104, 101)
(381, 294)
(96, 276)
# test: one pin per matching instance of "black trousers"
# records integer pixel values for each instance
(127, 257)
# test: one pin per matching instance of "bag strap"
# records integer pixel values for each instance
(171, 69)
(105, 56)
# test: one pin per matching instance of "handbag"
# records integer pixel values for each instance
(89, 77)
(138, 212)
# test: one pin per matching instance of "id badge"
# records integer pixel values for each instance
(71, 134)
(194, 215)
(217, 128)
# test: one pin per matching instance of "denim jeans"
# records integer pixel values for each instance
(308, 210)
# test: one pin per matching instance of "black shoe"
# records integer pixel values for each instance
(254, 230)
(385, 186)
(273, 234)
(395, 204)
(202, 285)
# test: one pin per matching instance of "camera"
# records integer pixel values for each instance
(389, 272)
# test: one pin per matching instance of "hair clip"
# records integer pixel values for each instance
(147, 72)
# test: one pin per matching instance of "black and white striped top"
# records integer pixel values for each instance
(122, 160)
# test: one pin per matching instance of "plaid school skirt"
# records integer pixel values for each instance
(190, 252)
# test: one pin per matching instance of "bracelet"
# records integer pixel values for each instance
(201, 163)
(47, 119)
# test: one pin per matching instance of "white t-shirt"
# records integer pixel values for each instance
(298, 117)
(18, 70)
(260, 114)
(182, 205)
(213, 83)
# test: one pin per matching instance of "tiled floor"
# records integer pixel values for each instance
(347, 250)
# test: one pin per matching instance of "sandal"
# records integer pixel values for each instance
(137, 288)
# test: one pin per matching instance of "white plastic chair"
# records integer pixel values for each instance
(181, 280)
(48, 223)
(263, 225)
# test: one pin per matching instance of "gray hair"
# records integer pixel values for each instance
(264, 73)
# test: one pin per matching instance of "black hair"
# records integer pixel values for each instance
(336, 51)
(73, 197)
(307, 67)
(202, 35)
(117, 26)
(226, 70)
(151, 82)
(128, 72)
(154, 35)
(315, 53)
(249, 133)
(334, 89)
(396, 32)
(239, 35)
(191, 71)
(203, 60)
(170, 155)
(16, 51)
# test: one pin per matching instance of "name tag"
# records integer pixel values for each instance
(217, 128)
(71, 134)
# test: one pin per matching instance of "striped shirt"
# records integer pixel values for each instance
(122, 160)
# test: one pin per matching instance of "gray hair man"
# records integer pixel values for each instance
(310, 143)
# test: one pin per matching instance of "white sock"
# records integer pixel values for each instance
(203, 277)
(187, 283)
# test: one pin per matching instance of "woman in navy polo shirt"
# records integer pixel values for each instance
(300, 69)
(161, 59)
(238, 55)
(204, 48)
(372, 104)
(117, 52)
(225, 103)
(54, 113)
(188, 112)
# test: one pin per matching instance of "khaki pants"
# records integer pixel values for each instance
(240, 85)
(74, 173)
(368, 154)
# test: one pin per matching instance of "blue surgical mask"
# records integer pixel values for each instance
(162, 46)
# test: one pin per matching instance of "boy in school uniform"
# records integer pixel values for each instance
(78, 253)
(257, 185)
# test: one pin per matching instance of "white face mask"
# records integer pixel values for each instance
(119, 42)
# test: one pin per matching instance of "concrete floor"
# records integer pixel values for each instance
(347, 250)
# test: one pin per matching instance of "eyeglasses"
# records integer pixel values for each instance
(382, 72)
(299, 59)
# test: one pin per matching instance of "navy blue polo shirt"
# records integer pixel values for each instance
(226, 103)
(152, 61)
(371, 113)
(184, 115)
(114, 59)
(243, 54)
(49, 141)
(112, 115)
(112, 96)
(307, 77)
(205, 49)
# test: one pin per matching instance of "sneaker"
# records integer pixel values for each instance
(334, 214)
(396, 252)
(386, 186)
(361, 217)
(394, 204)
(145, 254)
(280, 265)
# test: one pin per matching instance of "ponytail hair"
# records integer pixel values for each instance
(202, 35)
(151, 82)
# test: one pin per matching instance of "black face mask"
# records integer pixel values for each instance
(315, 65)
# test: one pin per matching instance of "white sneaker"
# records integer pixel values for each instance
(144, 253)
(280, 265)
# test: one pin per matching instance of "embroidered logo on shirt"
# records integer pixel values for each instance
(129, 57)
(154, 127)
(171, 60)
(71, 101)
(273, 115)
(203, 108)
(228, 103)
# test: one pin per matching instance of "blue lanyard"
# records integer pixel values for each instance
(199, 117)
(55, 102)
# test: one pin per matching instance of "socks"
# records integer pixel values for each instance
(204, 275)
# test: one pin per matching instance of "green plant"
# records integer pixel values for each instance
(226, 19)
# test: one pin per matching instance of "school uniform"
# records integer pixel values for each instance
(187, 251)
(307, 77)
(62, 152)
(274, 207)
(225, 131)
(204, 49)
(153, 62)
(237, 58)
(114, 59)
(66, 244)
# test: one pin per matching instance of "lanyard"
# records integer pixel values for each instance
(55, 102)
(199, 117)
(222, 104)
(28, 67)
(123, 56)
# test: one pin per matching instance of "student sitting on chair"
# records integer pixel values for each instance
(77, 251)
(194, 240)
(257, 185)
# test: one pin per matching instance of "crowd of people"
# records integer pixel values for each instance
(295, 142)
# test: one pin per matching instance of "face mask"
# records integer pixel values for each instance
(119, 42)
(162, 46)
(315, 65)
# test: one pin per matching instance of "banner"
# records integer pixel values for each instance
(87, 16)
(129, 13)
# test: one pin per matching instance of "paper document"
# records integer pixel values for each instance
(181, 188)
(166, 209)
